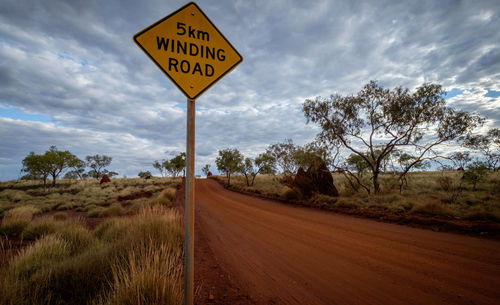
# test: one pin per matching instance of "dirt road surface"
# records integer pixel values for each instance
(280, 254)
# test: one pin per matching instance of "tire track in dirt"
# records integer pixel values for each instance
(280, 254)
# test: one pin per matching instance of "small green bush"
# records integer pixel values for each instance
(475, 174)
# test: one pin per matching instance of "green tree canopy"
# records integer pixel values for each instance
(488, 145)
(59, 161)
(263, 164)
(37, 166)
(159, 166)
(53, 162)
(144, 174)
(229, 161)
(284, 155)
(98, 164)
(378, 118)
(175, 165)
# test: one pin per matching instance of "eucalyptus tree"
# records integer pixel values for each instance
(159, 166)
(378, 121)
(229, 161)
(97, 163)
(263, 164)
(488, 145)
(53, 162)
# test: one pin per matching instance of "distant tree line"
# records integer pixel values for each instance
(54, 162)
(232, 161)
(379, 131)
(172, 167)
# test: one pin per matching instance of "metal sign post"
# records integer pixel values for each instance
(194, 54)
(189, 208)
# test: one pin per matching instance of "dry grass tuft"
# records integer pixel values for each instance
(169, 193)
(149, 276)
(113, 210)
(60, 216)
(432, 207)
(133, 260)
(16, 219)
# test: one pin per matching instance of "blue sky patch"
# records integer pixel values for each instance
(453, 92)
(67, 56)
(492, 93)
(181, 106)
(17, 114)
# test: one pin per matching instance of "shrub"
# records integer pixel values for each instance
(324, 199)
(290, 195)
(476, 173)
(445, 183)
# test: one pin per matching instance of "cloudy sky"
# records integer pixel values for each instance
(71, 75)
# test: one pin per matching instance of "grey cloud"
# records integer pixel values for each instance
(75, 62)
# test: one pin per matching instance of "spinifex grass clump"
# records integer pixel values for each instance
(149, 276)
(15, 220)
(443, 193)
(76, 195)
(133, 260)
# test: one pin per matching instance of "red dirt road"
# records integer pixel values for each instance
(280, 254)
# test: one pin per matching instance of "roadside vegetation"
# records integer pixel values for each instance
(85, 243)
(430, 193)
(387, 149)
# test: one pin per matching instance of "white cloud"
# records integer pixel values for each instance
(75, 62)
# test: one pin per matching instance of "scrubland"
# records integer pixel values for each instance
(130, 254)
(429, 193)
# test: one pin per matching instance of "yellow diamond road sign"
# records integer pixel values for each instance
(189, 49)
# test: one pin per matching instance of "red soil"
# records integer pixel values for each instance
(255, 251)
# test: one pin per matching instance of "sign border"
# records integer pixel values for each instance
(136, 36)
